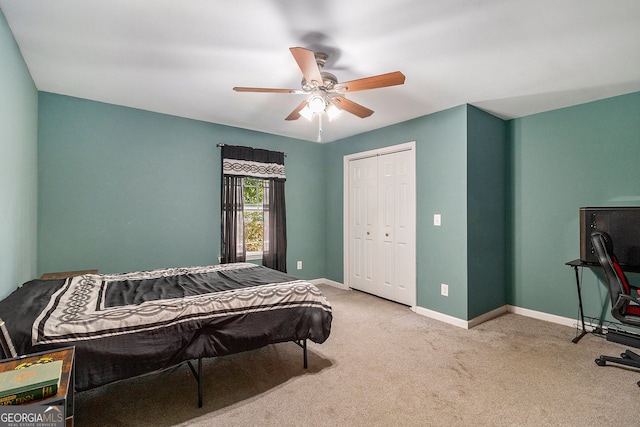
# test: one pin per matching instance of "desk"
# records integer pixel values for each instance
(65, 389)
(578, 263)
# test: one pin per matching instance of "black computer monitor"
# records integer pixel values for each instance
(623, 225)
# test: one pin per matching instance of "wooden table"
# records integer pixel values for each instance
(65, 274)
(65, 389)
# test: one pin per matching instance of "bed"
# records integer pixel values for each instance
(126, 325)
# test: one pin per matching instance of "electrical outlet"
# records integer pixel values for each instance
(444, 289)
(299, 265)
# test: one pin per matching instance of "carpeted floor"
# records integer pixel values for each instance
(384, 365)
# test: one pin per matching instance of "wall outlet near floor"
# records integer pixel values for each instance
(444, 289)
(299, 265)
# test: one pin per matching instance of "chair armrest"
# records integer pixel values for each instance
(626, 297)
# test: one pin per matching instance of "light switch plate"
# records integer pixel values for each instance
(437, 220)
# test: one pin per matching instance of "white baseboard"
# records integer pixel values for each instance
(468, 324)
(488, 316)
(330, 283)
(441, 317)
(560, 320)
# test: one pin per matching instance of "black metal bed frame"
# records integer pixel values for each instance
(197, 373)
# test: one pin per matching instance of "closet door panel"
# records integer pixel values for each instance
(364, 222)
(395, 180)
(381, 252)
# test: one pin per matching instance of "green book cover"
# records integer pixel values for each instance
(30, 378)
(28, 396)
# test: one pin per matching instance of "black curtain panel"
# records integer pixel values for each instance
(239, 162)
(233, 247)
(274, 254)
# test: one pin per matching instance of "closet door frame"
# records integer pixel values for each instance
(408, 146)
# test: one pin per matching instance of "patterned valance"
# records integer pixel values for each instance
(252, 162)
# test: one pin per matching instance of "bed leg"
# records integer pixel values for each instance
(198, 376)
(303, 344)
(304, 353)
(200, 382)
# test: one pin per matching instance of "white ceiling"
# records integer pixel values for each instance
(509, 57)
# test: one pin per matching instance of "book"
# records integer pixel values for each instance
(35, 381)
(28, 396)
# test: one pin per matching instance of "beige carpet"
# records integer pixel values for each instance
(384, 365)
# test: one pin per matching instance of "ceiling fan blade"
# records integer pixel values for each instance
(373, 82)
(264, 89)
(306, 60)
(295, 114)
(352, 107)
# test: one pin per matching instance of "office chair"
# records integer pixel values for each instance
(624, 306)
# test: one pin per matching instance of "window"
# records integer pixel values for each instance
(254, 220)
(254, 216)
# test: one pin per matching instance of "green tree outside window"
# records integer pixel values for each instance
(253, 214)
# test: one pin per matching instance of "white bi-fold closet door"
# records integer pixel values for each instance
(380, 223)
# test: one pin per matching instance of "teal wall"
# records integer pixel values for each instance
(123, 189)
(461, 160)
(441, 179)
(586, 155)
(90, 185)
(487, 149)
(141, 190)
(18, 166)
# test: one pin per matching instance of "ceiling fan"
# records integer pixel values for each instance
(325, 93)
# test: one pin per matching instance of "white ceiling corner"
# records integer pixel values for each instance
(512, 58)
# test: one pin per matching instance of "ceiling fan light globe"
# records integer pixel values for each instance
(306, 112)
(316, 104)
(332, 112)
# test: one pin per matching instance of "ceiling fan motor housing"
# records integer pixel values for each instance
(328, 81)
(321, 59)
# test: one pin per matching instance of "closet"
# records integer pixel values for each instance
(380, 222)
